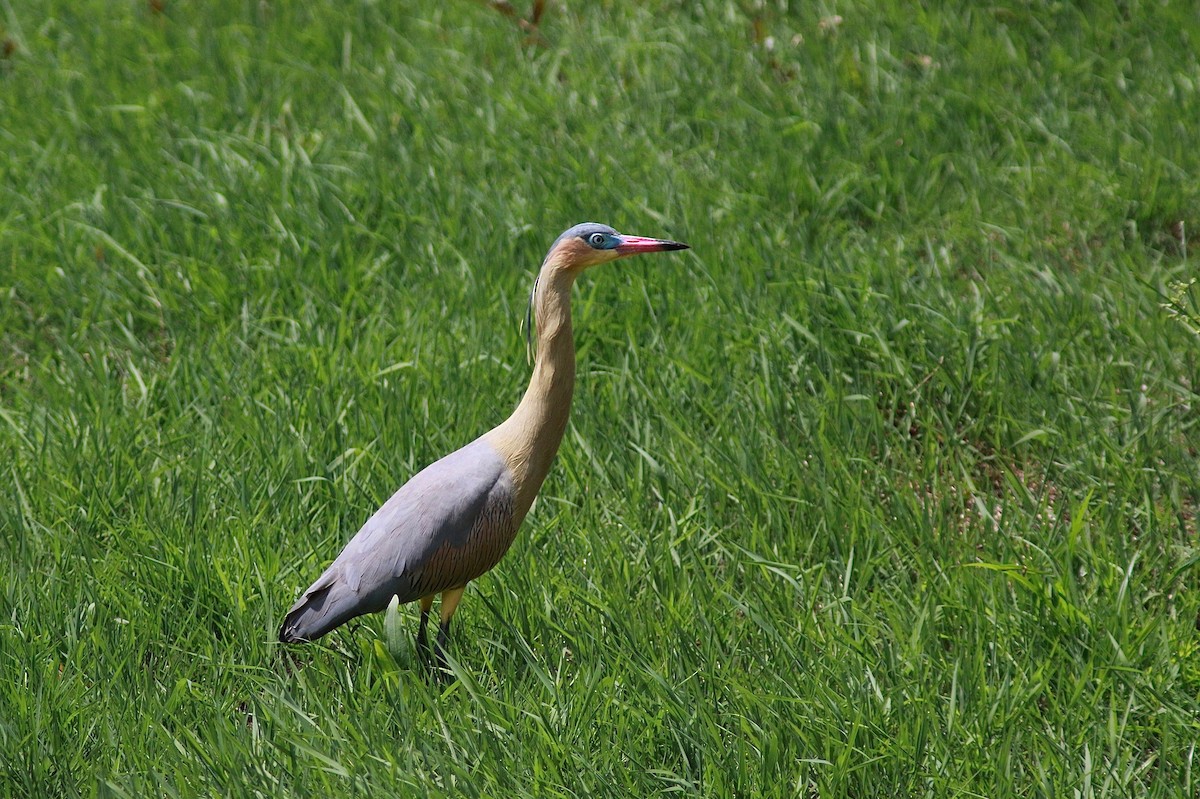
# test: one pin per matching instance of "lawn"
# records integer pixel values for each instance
(888, 487)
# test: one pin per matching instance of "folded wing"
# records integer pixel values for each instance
(447, 525)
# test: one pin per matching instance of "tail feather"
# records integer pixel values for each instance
(318, 612)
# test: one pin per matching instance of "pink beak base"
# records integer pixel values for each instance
(634, 245)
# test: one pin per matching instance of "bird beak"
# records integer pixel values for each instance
(634, 245)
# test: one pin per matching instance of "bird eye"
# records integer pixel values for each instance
(597, 239)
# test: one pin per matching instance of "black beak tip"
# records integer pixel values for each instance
(676, 245)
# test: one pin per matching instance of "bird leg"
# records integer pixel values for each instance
(439, 647)
(422, 638)
(450, 600)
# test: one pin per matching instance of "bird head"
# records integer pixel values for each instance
(582, 247)
(591, 244)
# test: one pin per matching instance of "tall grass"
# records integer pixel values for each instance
(887, 488)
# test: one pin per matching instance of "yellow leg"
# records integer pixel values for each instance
(450, 600)
(422, 638)
(450, 603)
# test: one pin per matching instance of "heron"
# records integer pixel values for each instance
(455, 519)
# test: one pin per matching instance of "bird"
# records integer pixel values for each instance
(455, 519)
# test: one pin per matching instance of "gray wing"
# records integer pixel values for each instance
(440, 530)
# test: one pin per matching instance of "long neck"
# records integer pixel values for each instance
(529, 439)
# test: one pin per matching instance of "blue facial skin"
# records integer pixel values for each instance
(602, 241)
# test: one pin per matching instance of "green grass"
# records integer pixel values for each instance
(887, 488)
